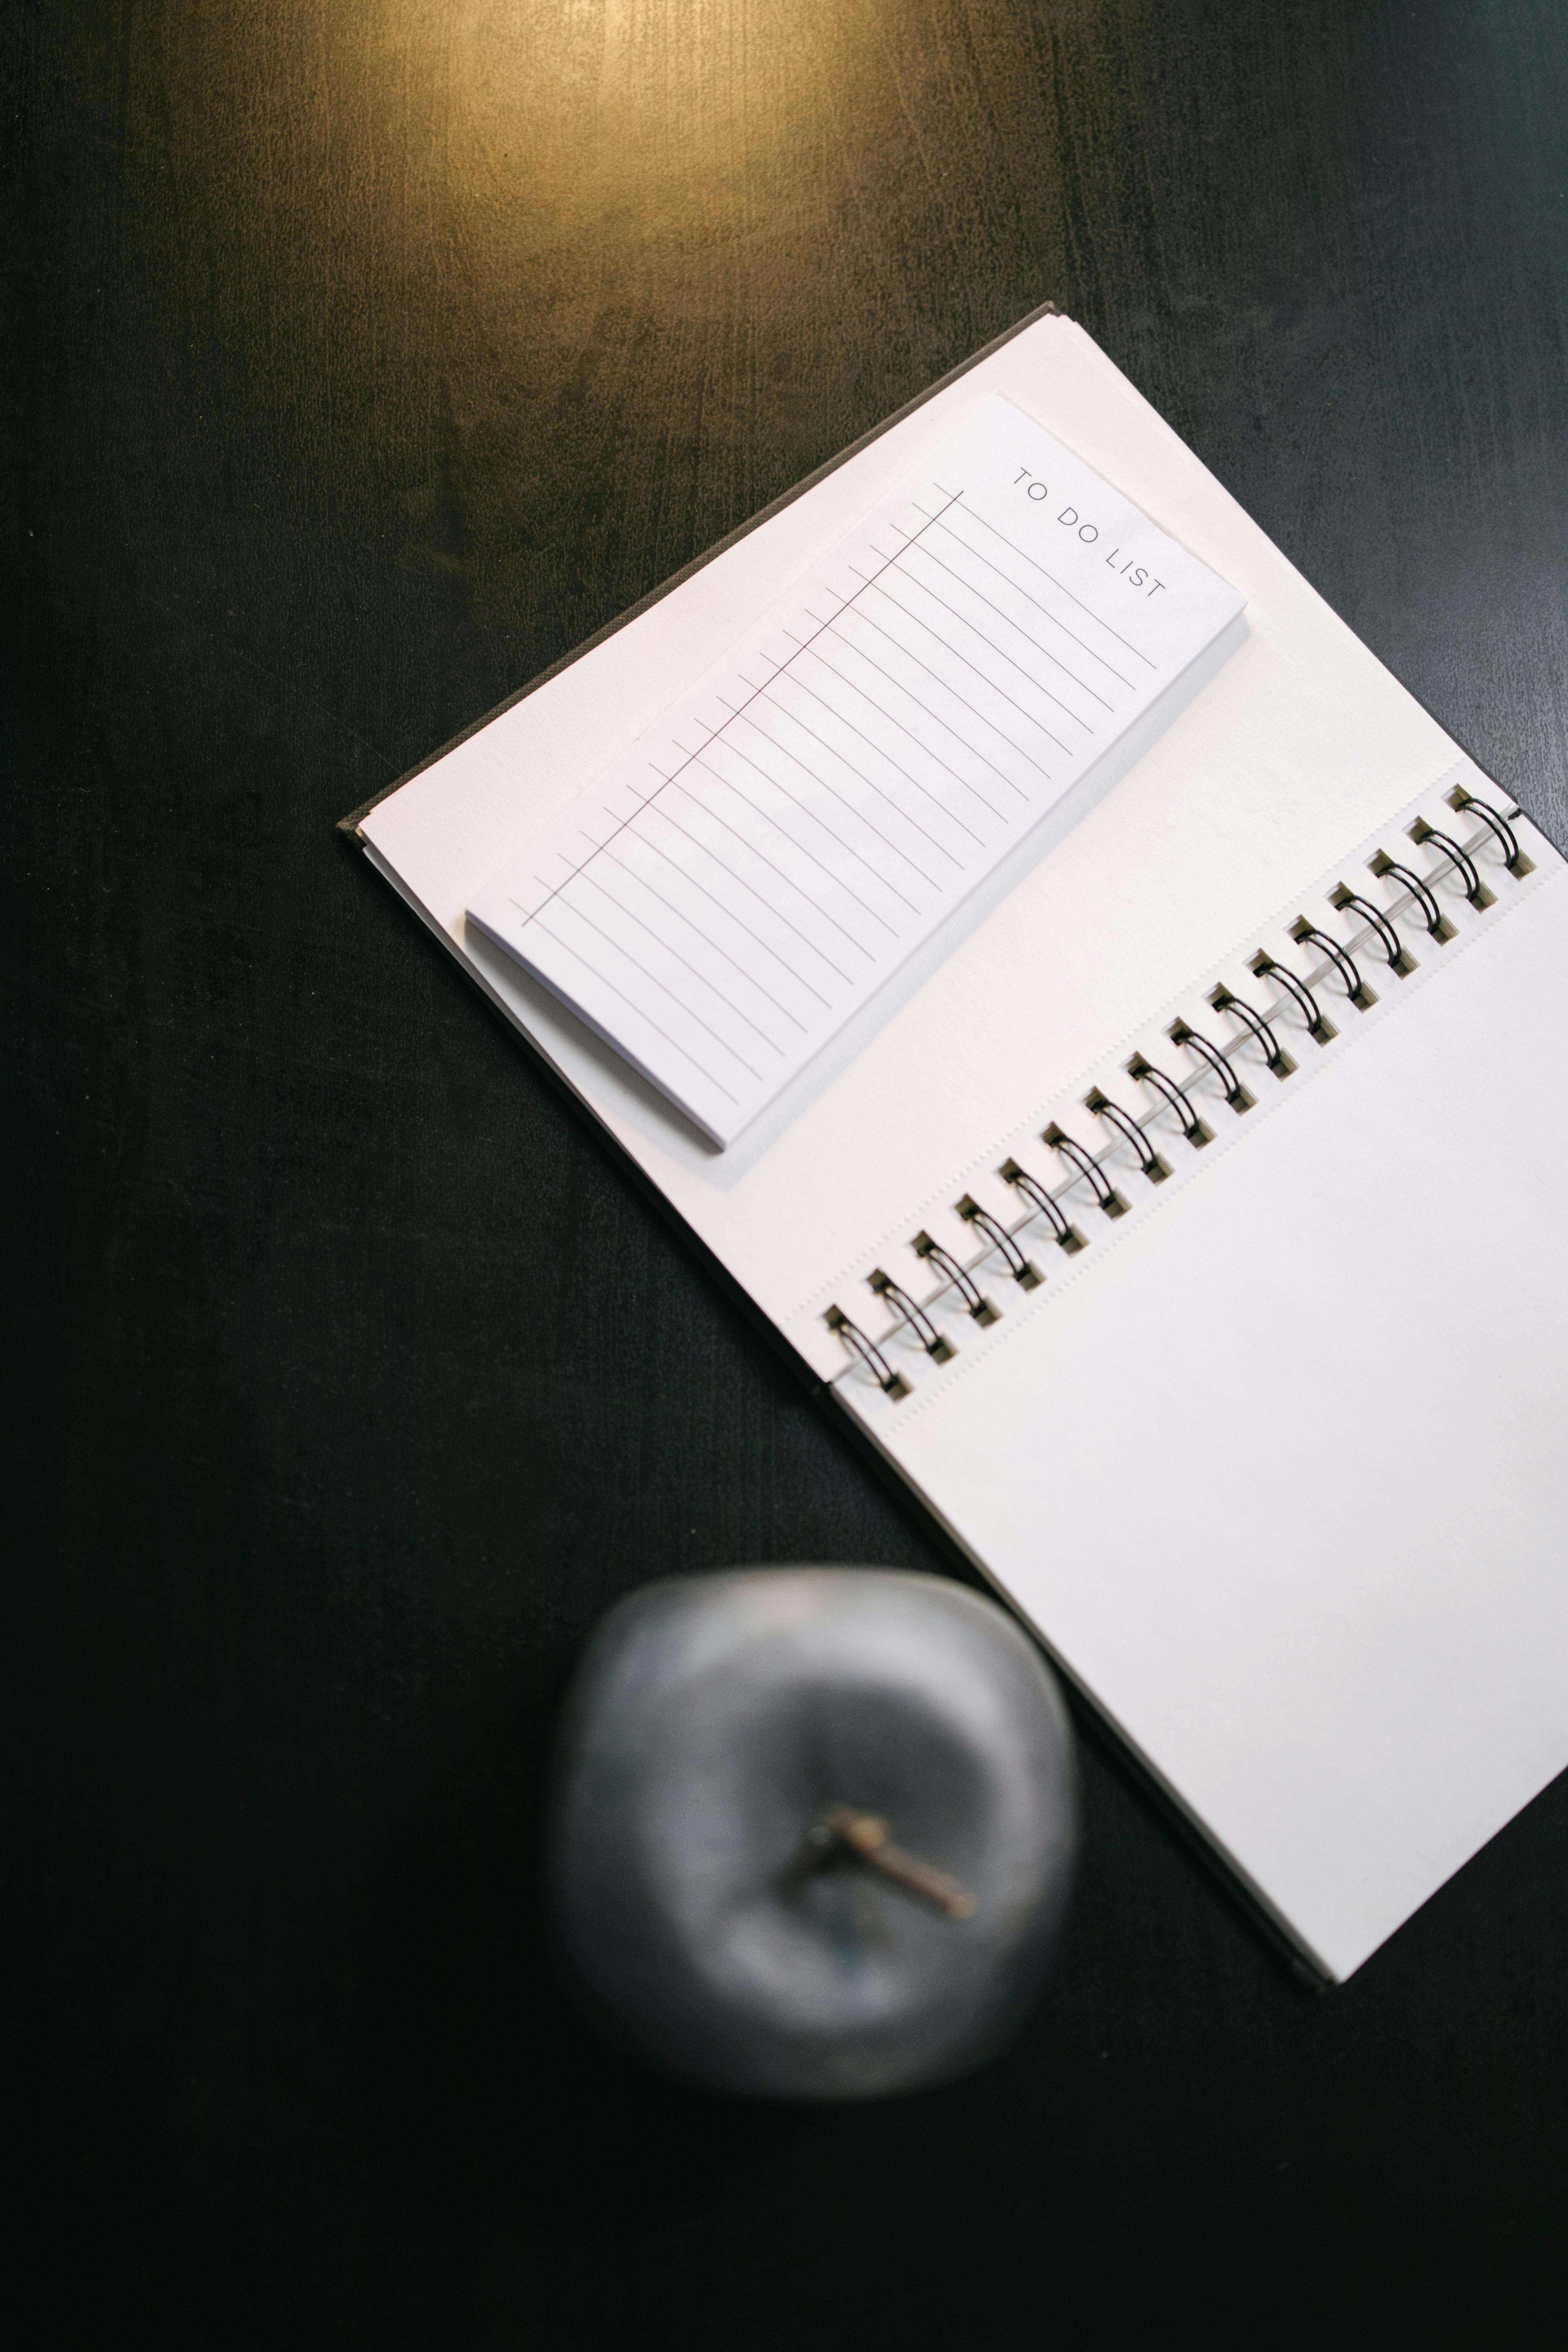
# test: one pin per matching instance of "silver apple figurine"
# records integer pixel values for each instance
(812, 1828)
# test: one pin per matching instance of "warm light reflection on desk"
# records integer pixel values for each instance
(564, 277)
(615, 128)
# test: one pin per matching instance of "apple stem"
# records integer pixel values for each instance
(842, 1833)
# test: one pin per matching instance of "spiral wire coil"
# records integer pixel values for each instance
(1297, 995)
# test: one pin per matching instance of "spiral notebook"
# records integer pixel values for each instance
(1173, 1208)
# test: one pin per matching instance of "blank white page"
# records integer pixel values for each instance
(767, 855)
(1276, 1464)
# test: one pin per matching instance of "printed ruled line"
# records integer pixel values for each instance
(947, 723)
(730, 786)
(949, 647)
(788, 881)
(729, 913)
(1030, 598)
(925, 588)
(658, 938)
(951, 815)
(1012, 623)
(644, 884)
(777, 913)
(894, 720)
(858, 814)
(848, 847)
(844, 603)
(543, 884)
(976, 516)
(621, 948)
(1029, 595)
(636, 1008)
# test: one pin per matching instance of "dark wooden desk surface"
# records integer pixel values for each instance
(360, 358)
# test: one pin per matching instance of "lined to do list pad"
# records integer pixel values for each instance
(764, 859)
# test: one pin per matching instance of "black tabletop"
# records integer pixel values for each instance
(362, 358)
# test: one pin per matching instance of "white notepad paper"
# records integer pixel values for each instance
(745, 878)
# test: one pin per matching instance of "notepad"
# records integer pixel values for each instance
(761, 861)
(1180, 1224)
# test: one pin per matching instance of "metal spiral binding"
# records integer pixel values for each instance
(1106, 1195)
(871, 1355)
(1296, 998)
(1321, 1031)
(1438, 927)
(937, 1349)
(1175, 1096)
(1024, 1272)
(1306, 934)
(1274, 1058)
(1344, 901)
(1182, 1033)
(1064, 1233)
(974, 1298)
(1116, 1118)
(1519, 865)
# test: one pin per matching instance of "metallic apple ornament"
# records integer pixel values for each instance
(812, 1828)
